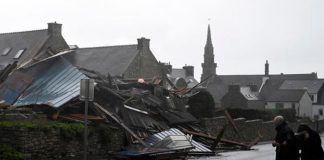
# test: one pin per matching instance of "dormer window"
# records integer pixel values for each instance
(6, 51)
(19, 53)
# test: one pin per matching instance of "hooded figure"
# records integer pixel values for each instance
(285, 141)
(310, 143)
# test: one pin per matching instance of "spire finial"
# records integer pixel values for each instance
(209, 41)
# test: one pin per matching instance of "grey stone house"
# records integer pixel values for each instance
(180, 77)
(128, 62)
(28, 47)
(264, 91)
(244, 97)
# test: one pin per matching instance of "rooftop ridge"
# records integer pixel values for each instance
(264, 75)
(22, 32)
(107, 46)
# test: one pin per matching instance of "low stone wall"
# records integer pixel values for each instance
(249, 129)
(55, 143)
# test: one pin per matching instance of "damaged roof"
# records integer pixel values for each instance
(59, 84)
(53, 82)
(199, 148)
(111, 59)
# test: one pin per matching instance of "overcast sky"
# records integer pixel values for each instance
(245, 33)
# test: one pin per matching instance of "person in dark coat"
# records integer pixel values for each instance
(310, 143)
(285, 141)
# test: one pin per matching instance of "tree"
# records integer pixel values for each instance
(202, 105)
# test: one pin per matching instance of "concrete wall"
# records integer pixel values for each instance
(251, 129)
(49, 144)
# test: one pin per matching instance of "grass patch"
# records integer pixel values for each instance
(9, 153)
(67, 130)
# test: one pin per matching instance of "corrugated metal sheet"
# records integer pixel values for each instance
(14, 85)
(199, 148)
(54, 86)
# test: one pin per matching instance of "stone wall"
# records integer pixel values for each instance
(250, 129)
(55, 143)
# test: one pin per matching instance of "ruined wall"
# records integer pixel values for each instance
(250, 129)
(55, 143)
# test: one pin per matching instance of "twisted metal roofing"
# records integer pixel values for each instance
(55, 82)
(199, 148)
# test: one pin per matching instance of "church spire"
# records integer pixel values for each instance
(209, 41)
(209, 66)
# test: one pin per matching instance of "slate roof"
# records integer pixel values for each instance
(244, 80)
(31, 41)
(218, 86)
(111, 59)
(312, 86)
(177, 72)
(285, 96)
(182, 73)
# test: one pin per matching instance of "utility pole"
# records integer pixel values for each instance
(86, 95)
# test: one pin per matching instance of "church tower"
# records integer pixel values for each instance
(209, 66)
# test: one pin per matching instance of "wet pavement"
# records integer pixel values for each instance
(263, 151)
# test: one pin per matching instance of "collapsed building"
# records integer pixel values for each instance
(143, 109)
(130, 92)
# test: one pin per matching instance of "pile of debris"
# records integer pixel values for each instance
(155, 119)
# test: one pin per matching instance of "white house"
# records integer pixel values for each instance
(315, 90)
(286, 99)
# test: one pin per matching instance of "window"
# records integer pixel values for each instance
(312, 97)
(279, 106)
(19, 53)
(320, 112)
(6, 51)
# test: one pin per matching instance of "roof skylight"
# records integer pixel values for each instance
(6, 51)
(19, 53)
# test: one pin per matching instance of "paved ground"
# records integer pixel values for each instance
(259, 152)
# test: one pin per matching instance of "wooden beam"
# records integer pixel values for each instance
(120, 122)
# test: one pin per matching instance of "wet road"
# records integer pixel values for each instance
(259, 152)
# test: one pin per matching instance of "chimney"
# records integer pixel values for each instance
(54, 28)
(189, 70)
(143, 43)
(266, 69)
(167, 67)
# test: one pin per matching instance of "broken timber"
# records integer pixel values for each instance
(117, 120)
(246, 146)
